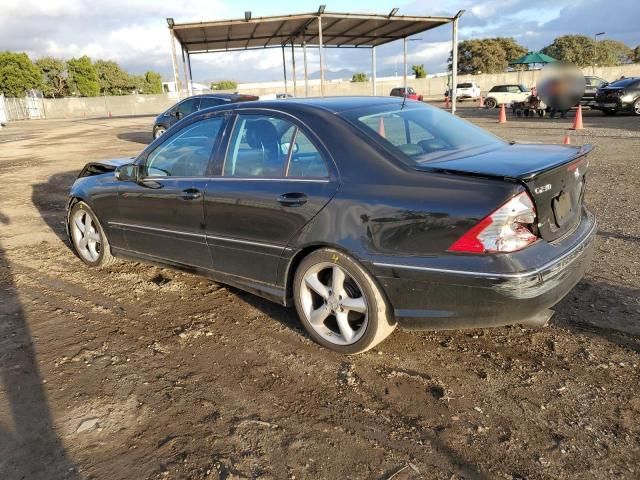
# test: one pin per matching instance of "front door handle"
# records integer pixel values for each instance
(190, 194)
(294, 199)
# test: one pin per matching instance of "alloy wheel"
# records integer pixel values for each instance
(86, 236)
(333, 304)
(636, 107)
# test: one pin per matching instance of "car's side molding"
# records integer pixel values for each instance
(198, 235)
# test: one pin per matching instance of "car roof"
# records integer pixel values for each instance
(227, 96)
(330, 104)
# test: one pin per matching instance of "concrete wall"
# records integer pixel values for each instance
(73, 107)
(432, 88)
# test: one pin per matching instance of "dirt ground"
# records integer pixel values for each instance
(138, 372)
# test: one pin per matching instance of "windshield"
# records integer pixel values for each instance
(421, 133)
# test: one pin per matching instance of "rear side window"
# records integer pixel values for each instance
(421, 134)
(186, 153)
(210, 102)
(269, 147)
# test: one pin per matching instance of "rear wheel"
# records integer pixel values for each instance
(339, 303)
(490, 103)
(88, 239)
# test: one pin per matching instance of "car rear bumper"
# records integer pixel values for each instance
(430, 298)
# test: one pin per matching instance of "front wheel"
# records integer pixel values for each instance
(339, 303)
(636, 107)
(88, 238)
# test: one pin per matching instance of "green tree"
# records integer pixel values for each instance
(224, 85)
(636, 54)
(54, 77)
(359, 77)
(112, 78)
(576, 49)
(152, 83)
(82, 77)
(613, 52)
(419, 71)
(512, 49)
(17, 74)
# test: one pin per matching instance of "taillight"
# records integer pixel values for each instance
(508, 229)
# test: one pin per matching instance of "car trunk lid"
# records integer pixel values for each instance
(554, 175)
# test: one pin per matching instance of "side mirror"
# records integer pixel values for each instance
(127, 173)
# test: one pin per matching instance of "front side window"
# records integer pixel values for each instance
(267, 147)
(420, 133)
(186, 153)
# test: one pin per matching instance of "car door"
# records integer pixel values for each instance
(162, 213)
(273, 178)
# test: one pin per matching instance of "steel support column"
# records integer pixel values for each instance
(404, 43)
(454, 62)
(184, 70)
(190, 74)
(321, 47)
(284, 70)
(373, 71)
(306, 73)
(293, 70)
(174, 61)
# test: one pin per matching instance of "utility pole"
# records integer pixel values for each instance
(595, 51)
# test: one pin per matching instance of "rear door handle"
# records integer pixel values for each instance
(293, 199)
(190, 194)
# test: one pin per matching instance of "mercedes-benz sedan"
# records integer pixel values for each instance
(365, 213)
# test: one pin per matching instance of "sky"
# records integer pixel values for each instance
(134, 32)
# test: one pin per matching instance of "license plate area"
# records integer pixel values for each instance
(562, 208)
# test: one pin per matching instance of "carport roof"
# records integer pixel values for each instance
(338, 30)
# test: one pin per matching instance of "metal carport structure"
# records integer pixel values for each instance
(318, 29)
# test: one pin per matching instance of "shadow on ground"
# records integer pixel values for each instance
(29, 445)
(144, 138)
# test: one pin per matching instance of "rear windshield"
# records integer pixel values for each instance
(420, 133)
(464, 85)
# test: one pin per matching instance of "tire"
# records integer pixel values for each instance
(158, 131)
(341, 324)
(490, 103)
(94, 250)
(636, 107)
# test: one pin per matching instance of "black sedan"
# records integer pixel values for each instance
(193, 104)
(363, 212)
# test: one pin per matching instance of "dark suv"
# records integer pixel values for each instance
(591, 86)
(193, 104)
(620, 96)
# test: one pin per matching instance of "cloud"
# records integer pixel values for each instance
(134, 32)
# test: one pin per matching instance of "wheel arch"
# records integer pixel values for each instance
(294, 262)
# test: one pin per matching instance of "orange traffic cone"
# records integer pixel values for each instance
(381, 131)
(447, 106)
(566, 140)
(502, 118)
(109, 114)
(480, 101)
(577, 122)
